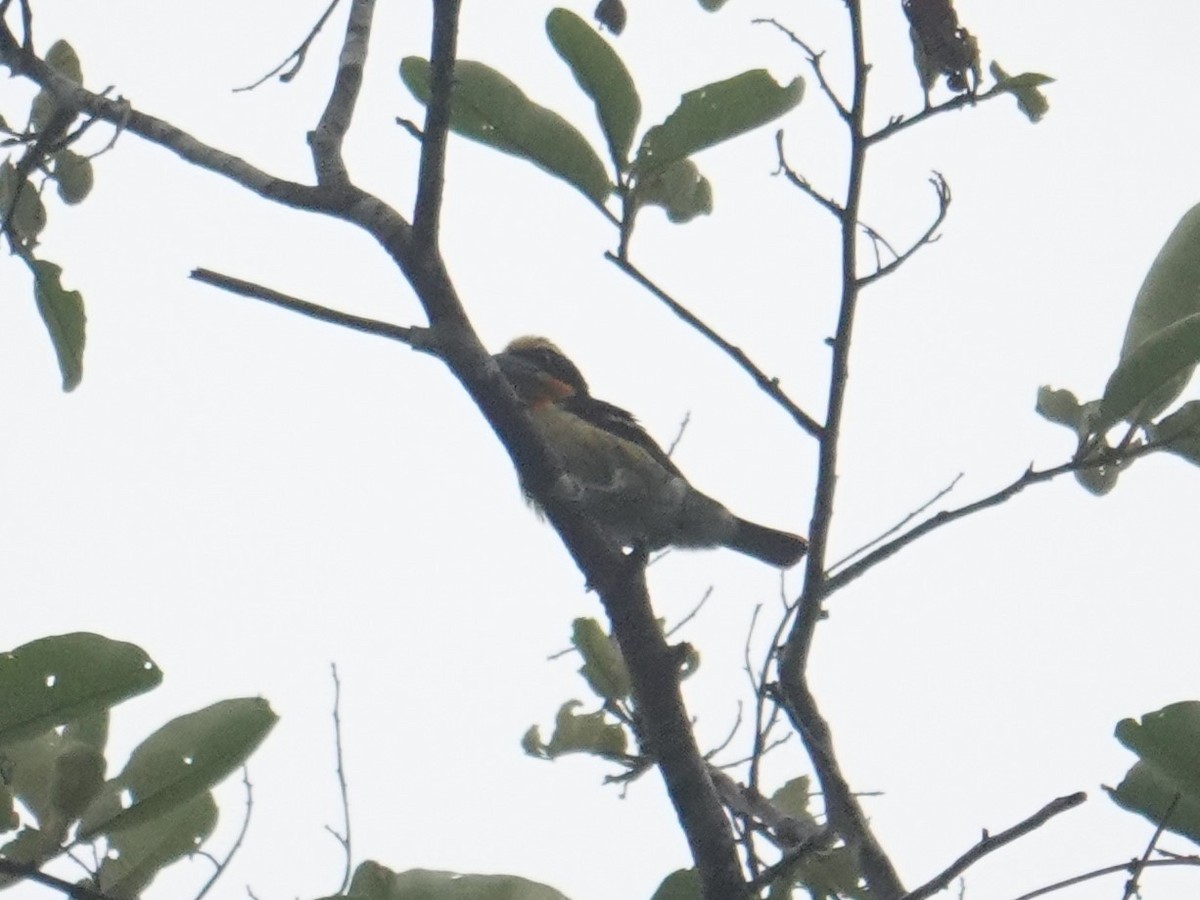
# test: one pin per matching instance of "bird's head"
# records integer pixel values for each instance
(539, 372)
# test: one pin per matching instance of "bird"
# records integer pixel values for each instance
(614, 472)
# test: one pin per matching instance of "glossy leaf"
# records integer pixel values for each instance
(603, 665)
(603, 77)
(587, 733)
(1180, 432)
(73, 175)
(680, 189)
(136, 855)
(487, 107)
(1152, 374)
(372, 881)
(715, 113)
(1024, 87)
(1167, 743)
(186, 756)
(29, 217)
(1169, 293)
(56, 679)
(682, 884)
(62, 311)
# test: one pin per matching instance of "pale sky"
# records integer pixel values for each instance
(250, 495)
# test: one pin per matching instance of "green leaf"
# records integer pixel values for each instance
(680, 189)
(715, 113)
(62, 311)
(1168, 745)
(372, 881)
(682, 884)
(1169, 294)
(29, 217)
(712, 5)
(1151, 375)
(138, 854)
(588, 733)
(186, 756)
(793, 797)
(603, 665)
(1180, 432)
(73, 174)
(487, 107)
(1024, 88)
(62, 58)
(56, 679)
(599, 71)
(77, 778)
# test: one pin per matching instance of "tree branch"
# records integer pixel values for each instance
(814, 60)
(312, 310)
(431, 177)
(770, 386)
(297, 56)
(992, 843)
(845, 814)
(326, 140)
(942, 190)
(1030, 476)
(899, 123)
(67, 888)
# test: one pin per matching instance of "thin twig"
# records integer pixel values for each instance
(899, 123)
(1107, 870)
(912, 515)
(312, 310)
(942, 190)
(431, 175)
(814, 60)
(687, 418)
(344, 837)
(1131, 886)
(799, 181)
(297, 56)
(770, 386)
(1029, 477)
(993, 842)
(224, 864)
(691, 615)
(66, 888)
(327, 138)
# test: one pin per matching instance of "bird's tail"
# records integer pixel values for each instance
(777, 548)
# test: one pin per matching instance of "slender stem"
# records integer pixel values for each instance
(431, 180)
(770, 386)
(845, 814)
(993, 842)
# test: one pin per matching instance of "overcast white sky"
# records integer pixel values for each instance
(250, 495)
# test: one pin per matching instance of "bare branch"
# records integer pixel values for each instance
(814, 60)
(770, 386)
(942, 190)
(312, 310)
(70, 889)
(992, 843)
(297, 56)
(431, 178)
(899, 123)
(326, 140)
(803, 183)
(1108, 870)
(342, 838)
(1131, 886)
(223, 864)
(1029, 477)
(912, 515)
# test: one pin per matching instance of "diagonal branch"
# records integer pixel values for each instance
(993, 842)
(770, 386)
(297, 56)
(803, 183)
(899, 123)
(326, 140)
(942, 190)
(431, 177)
(1029, 477)
(312, 310)
(814, 60)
